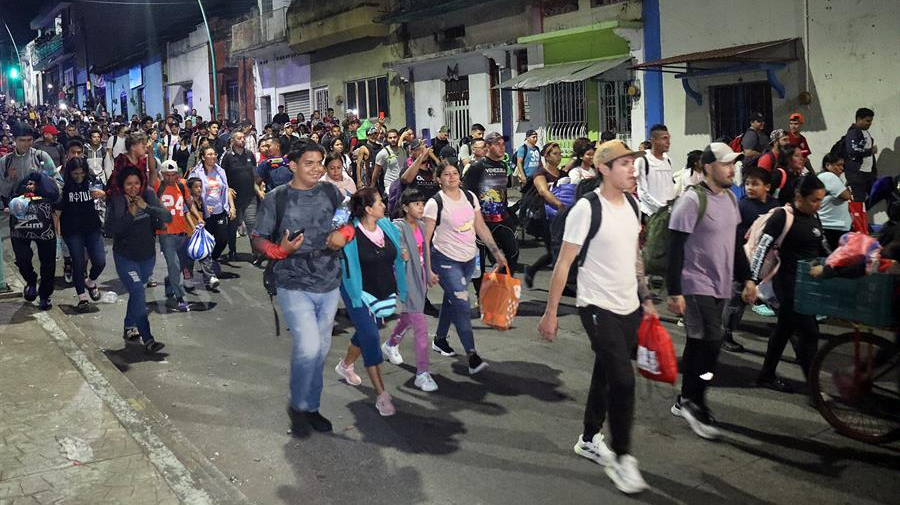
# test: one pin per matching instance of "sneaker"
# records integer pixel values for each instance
(45, 303)
(216, 268)
(67, 270)
(131, 334)
(699, 420)
(182, 306)
(318, 422)
(213, 282)
(93, 291)
(763, 310)
(732, 346)
(384, 405)
(347, 373)
(392, 353)
(151, 346)
(529, 277)
(152, 283)
(625, 475)
(425, 382)
(83, 307)
(676, 407)
(30, 292)
(595, 450)
(440, 345)
(774, 383)
(476, 364)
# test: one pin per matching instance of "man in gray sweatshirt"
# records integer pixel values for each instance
(17, 165)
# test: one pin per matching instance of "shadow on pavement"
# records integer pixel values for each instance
(412, 429)
(514, 378)
(71, 310)
(679, 493)
(130, 354)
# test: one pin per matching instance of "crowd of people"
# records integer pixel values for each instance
(356, 213)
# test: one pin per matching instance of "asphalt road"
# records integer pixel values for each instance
(504, 436)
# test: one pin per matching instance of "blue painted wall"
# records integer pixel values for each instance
(118, 80)
(653, 89)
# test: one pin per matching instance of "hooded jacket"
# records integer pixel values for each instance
(351, 273)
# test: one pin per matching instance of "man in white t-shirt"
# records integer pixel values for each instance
(653, 170)
(612, 291)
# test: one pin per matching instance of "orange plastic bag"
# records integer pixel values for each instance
(656, 354)
(499, 299)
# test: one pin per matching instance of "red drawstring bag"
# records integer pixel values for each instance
(499, 299)
(860, 220)
(656, 354)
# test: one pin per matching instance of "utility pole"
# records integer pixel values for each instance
(212, 52)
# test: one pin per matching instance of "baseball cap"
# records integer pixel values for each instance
(612, 150)
(796, 117)
(168, 166)
(372, 130)
(757, 116)
(721, 152)
(49, 129)
(444, 129)
(417, 143)
(494, 137)
(530, 133)
(288, 124)
(447, 152)
(776, 134)
(294, 120)
(22, 129)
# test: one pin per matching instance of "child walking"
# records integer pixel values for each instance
(412, 234)
(195, 217)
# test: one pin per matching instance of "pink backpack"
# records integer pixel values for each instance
(772, 261)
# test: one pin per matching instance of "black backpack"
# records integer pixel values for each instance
(840, 148)
(558, 228)
(531, 210)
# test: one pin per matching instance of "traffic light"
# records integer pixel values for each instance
(13, 72)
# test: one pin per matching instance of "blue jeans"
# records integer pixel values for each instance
(454, 279)
(366, 336)
(310, 318)
(175, 253)
(134, 275)
(77, 244)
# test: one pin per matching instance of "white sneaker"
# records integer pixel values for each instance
(391, 353)
(213, 282)
(625, 475)
(595, 450)
(425, 382)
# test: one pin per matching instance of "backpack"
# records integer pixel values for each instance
(531, 210)
(772, 261)
(840, 147)
(565, 193)
(656, 246)
(440, 204)
(647, 165)
(587, 186)
(269, 272)
(558, 226)
(393, 200)
(753, 161)
(736, 144)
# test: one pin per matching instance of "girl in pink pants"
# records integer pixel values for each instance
(412, 233)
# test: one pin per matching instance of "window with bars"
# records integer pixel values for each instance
(494, 72)
(320, 97)
(368, 97)
(615, 109)
(524, 112)
(731, 106)
(565, 104)
(232, 95)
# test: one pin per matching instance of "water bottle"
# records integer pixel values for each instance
(341, 217)
(477, 271)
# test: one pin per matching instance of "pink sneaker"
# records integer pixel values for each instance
(384, 405)
(347, 373)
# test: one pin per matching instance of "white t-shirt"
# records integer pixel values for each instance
(608, 278)
(834, 212)
(119, 146)
(579, 173)
(655, 186)
(455, 237)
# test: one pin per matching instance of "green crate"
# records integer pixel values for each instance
(865, 300)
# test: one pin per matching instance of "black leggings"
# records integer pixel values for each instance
(217, 225)
(790, 323)
(614, 340)
(504, 234)
(833, 236)
(547, 258)
(46, 250)
(240, 208)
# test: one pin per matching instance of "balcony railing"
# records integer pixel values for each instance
(46, 49)
(259, 31)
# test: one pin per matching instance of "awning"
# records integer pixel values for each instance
(563, 72)
(748, 53)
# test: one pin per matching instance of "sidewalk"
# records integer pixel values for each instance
(61, 442)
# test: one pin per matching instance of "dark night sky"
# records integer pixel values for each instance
(148, 18)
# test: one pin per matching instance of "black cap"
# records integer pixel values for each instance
(448, 152)
(22, 129)
(757, 116)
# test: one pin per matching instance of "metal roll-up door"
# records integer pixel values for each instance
(297, 102)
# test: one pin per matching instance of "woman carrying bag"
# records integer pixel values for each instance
(373, 280)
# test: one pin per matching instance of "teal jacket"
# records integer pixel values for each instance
(351, 274)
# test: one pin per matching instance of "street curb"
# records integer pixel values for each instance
(187, 472)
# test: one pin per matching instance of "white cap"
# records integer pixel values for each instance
(721, 152)
(168, 166)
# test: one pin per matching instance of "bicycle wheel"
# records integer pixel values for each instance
(855, 383)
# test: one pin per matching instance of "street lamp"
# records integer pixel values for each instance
(212, 52)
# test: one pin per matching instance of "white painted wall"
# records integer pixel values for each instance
(853, 48)
(276, 77)
(429, 95)
(188, 60)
